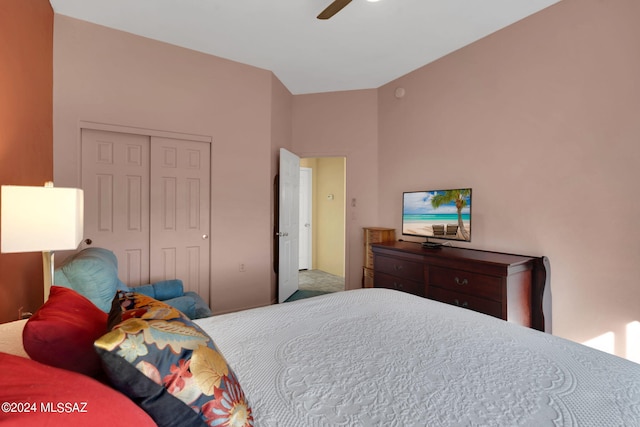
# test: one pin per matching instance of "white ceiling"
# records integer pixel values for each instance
(364, 46)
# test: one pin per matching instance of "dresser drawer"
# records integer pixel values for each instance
(400, 268)
(479, 285)
(382, 280)
(492, 308)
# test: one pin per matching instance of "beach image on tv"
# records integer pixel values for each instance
(444, 214)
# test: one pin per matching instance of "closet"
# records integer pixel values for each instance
(147, 198)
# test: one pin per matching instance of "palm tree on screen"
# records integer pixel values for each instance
(457, 196)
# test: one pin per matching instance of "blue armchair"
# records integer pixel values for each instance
(93, 272)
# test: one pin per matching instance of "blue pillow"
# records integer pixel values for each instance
(92, 272)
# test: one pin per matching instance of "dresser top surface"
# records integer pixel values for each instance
(456, 253)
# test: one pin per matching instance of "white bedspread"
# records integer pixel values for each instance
(376, 357)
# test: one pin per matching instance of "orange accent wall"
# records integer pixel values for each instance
(26, 132)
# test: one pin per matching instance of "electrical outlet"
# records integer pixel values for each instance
(242, 267)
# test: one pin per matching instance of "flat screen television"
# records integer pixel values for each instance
(438, 214)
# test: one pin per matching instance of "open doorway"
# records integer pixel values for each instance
(322, 224)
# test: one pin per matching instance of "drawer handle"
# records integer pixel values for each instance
(464, 304)
(461, 282)
(397, 285)
(397, 267)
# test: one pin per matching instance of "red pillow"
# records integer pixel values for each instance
(61, 333)
(35, 394)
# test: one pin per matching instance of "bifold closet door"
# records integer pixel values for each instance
(115, 180)
(147, 199)
(179, 221)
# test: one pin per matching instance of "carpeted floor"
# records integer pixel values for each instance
(312, 283)
(318, 280)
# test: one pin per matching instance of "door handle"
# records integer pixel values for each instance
(205, 236)
(461, 282)
(464, 304)
(281, 234)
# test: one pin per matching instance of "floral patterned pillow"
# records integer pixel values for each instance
(169, 366)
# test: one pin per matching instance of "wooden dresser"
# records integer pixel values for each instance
(506, 286)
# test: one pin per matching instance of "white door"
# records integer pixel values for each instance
(288, 218)
(115, 180)
(179, 238)
(138, 191)
(306, 189)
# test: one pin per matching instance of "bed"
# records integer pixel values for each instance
(377, 357)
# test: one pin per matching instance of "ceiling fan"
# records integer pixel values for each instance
(335, 7)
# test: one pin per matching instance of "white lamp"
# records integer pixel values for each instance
(41, 219)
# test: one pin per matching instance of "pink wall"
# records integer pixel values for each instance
(108, 76)
(541, 119)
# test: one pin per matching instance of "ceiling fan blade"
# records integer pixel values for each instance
(333, 8)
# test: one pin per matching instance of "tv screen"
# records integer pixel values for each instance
(439, 214)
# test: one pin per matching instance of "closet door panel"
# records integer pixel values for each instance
(115, 180)
(179, 222)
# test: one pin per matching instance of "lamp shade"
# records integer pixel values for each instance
(40, 218)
